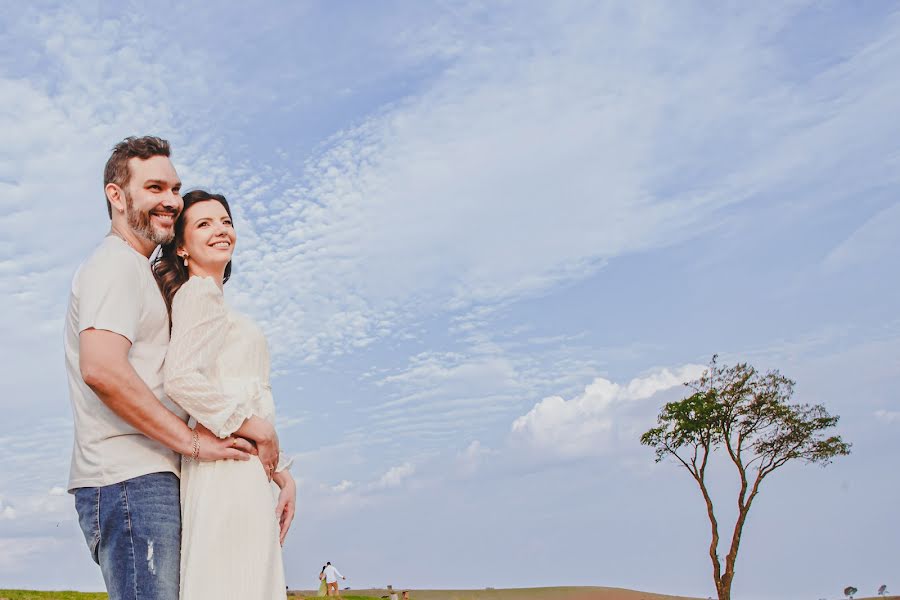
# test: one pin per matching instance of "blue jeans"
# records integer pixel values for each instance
(133, 530)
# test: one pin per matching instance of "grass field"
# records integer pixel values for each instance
(32, 595)
(550, 593)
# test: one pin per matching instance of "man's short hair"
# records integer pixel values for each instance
(117, 171)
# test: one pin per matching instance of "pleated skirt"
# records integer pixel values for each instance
(229, 541)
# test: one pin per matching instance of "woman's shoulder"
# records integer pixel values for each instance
(198, 284)
(199, 289)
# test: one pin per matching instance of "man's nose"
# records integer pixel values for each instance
(173, 200)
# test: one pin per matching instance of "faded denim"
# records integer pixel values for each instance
(133, 530)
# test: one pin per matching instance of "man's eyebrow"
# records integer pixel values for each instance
(162, 182)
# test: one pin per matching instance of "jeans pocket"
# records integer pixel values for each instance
(87, 505)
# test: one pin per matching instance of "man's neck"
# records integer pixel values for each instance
(139, 244)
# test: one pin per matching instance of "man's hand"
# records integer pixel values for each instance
(287, 503)
(214, 448)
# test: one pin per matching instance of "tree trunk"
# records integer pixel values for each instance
(714, 545)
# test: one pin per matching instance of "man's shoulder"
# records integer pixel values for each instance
(109, 258)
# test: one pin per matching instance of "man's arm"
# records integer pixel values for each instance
(103, 360)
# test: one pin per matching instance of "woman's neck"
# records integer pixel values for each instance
(218, 275)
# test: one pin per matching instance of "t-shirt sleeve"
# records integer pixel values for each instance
(110, 292)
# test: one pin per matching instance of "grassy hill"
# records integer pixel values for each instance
(548, 593)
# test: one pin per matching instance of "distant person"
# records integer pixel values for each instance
(331, 579)
(323, 587)
(405, 595)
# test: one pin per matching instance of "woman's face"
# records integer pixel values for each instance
(209, 237)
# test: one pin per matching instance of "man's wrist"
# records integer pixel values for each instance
(185, 441)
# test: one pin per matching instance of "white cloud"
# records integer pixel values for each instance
(394, 477)
(7, 512)
(888, 416)
(15, 552)
(591, 421)
(512, 171)
(469, 460)
(342, 487)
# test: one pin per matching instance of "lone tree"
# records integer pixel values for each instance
(849, 591)
(748, 414)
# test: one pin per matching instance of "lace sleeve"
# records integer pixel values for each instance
(199, 326)
(284, 462)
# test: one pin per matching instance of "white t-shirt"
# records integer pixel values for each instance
(114, 290)
(331, 574)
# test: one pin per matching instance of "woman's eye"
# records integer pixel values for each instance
(203, 224)
(227, 221)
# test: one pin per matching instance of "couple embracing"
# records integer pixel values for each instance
(179, 483)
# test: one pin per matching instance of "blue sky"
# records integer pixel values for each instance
(487, 241)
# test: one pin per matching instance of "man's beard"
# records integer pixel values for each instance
(139, 222)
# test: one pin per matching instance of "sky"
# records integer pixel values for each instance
(487, 242)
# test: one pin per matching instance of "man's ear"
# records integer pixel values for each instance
(116, 197)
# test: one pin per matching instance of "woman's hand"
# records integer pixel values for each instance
(287, 502)
(263, 433)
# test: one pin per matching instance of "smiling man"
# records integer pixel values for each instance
(128, 435)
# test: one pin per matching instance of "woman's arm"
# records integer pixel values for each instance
(263, 434)
(287, 502)
(199, 328)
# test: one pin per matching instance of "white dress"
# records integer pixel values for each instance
(217, 369)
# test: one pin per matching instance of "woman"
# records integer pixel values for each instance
(217, 369)
(323, 587)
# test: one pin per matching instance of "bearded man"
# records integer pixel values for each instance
(129, 437)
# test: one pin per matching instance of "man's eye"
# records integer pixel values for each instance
(155, 187)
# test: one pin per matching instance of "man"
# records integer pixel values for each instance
(128, 435)
(331, 575)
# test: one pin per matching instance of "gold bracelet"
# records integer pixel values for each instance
(195, 447)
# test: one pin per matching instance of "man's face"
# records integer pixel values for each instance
(153, 198)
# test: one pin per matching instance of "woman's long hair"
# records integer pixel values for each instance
(168, 268)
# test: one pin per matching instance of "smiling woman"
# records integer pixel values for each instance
(217, 369)
(208, 215)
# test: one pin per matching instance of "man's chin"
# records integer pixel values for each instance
(163, 236)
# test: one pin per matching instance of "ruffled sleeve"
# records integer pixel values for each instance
(199, 327)
(284, 462)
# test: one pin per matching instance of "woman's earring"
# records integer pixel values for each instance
(185, 260)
